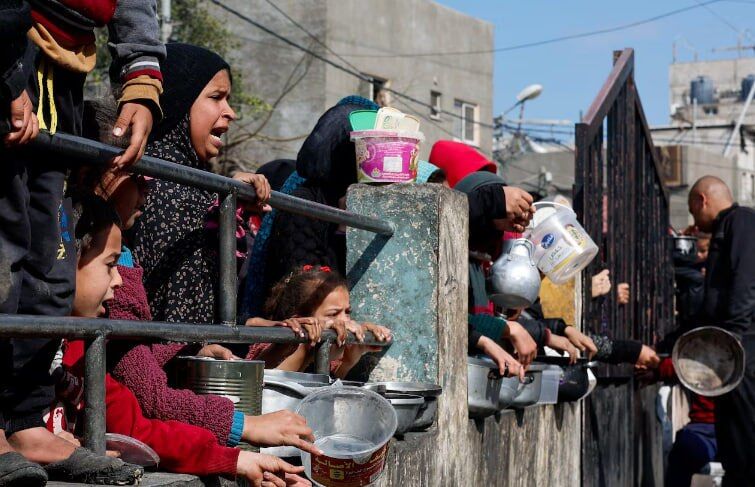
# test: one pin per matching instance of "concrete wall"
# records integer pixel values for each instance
(390, 27)
(416, 283)
(301, 88)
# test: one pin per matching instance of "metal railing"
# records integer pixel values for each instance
(623, 204)
(96, 331)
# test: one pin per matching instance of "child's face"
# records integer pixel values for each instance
(210, 116)
(126, 192)
(97, 275)
(335, 305)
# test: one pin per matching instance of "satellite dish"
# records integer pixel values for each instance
(529, 93)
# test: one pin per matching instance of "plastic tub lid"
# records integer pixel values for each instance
(361, 134)
(132, 450)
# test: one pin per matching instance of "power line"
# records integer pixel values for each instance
(352, 66)
(548, 41)
(719, 17)
(340, 67)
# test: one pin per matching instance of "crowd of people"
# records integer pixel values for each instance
(104, 242)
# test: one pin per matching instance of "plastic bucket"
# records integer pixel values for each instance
(562, 247)
(352, 426)
(386, 156)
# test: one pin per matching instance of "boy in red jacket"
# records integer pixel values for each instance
(182, 448)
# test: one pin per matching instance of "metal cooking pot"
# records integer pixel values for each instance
(240, 380)
(429, 410)
(483, 387)
(370, 386)
(407, 408)
(685, 244)
(514, 276)
(530, 393)
(709, 361)
(574, 383)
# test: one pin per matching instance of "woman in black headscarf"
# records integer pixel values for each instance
(172, 240)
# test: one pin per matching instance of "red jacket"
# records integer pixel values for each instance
(182, 448)
(701, 409)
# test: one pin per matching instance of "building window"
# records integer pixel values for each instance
(466, 127)
(435, 105)
(375, 90)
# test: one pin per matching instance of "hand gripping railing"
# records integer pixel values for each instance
(81, 151)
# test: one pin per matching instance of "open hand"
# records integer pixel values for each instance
(218, 352)
(519, 209)
(648, 359)
(563, 344)
(508, 366)
(281, 428)
(264, 470)
(138, 118)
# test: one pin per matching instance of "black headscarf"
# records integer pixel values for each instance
(327, 158)
(178, 254)
(277, 172)
(186, 71)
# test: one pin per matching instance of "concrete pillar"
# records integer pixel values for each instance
(415, 282)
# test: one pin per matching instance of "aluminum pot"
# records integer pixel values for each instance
(574, 383)
(407, 408)
(240, 380)
(514, 276)
(428, 412)
(530, 393)
(483, 387)
(285, 390)
(685, 244)
(370, 386)
(709, 361)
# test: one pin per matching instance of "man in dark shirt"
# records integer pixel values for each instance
(729, 302)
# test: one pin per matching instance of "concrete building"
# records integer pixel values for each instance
(367, 37)
(707, 100)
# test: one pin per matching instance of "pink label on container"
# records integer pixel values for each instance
(386, 159)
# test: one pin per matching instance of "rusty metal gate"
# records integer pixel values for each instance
(622, 203)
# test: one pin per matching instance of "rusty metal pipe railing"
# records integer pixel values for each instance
(85, 151)
(82, 151)
(97, 330)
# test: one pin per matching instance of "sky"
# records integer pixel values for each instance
(572, 72)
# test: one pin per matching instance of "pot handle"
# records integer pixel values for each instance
(291, 386)
(552, 203)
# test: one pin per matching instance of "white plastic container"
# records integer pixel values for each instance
(386, 156)
(562, 247)
(352, 426)
(549, 389)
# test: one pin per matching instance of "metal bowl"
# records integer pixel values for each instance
(428, 412)
(530, 393)
(407, 407)
(685, 244)
(370, 386)
(574, 383)
(709, 361)
(483, 387)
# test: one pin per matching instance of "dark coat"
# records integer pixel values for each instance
(729, 300)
